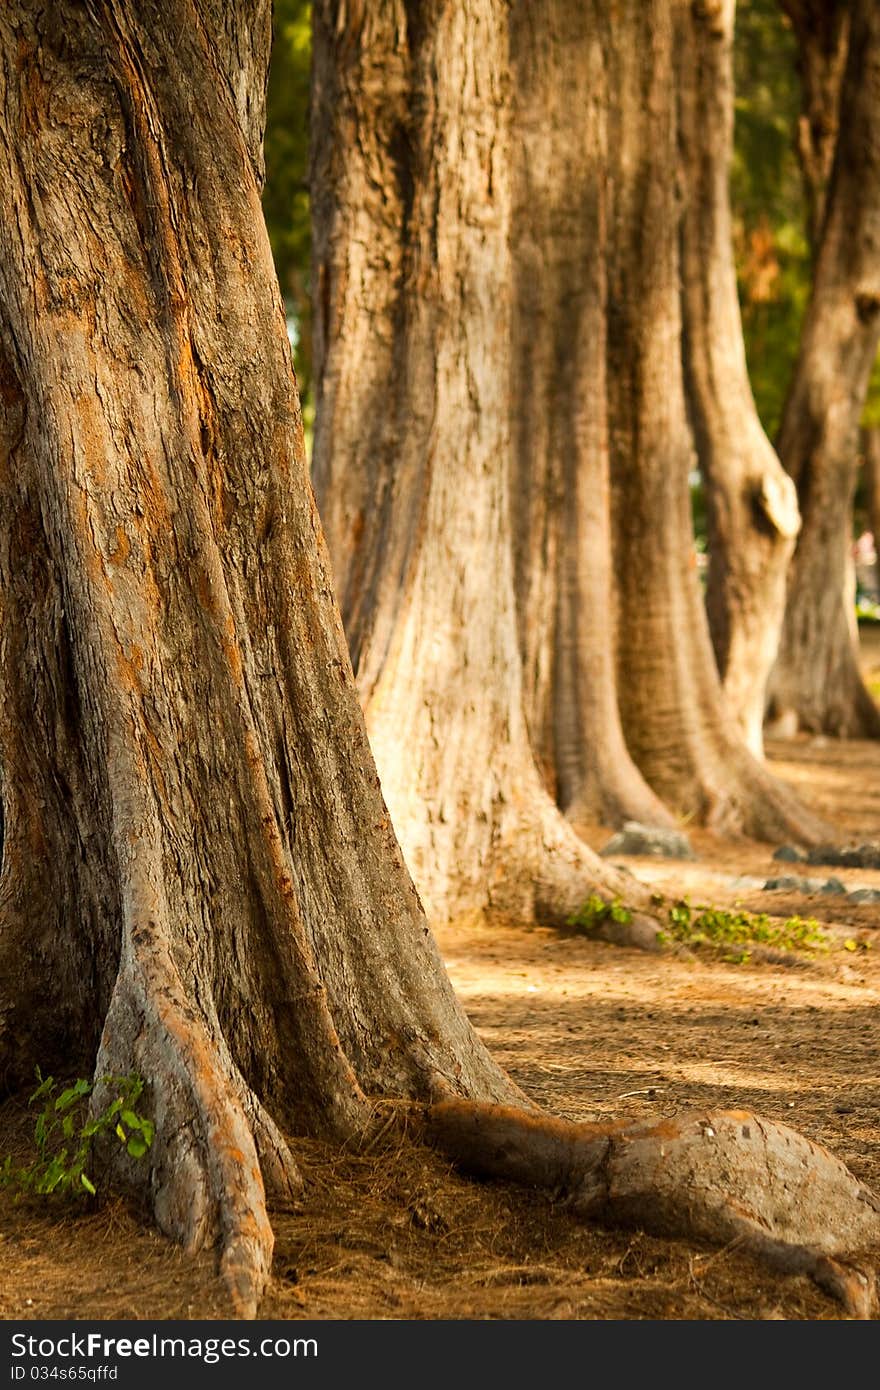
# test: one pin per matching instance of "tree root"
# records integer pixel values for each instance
(215, 1144)
(722, 1176)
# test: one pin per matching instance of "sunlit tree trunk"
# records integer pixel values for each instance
(200, 880)
(412, 446)
(560, 489)
(750, 500)
(816, 684)
(676, 723)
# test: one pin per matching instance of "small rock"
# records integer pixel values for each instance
(790, 854)
(790, 883)
(864, 895)
(866, 856)
(635, 838)
(833, 885)
(825, 854)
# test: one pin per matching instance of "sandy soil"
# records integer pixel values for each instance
(588, 1031)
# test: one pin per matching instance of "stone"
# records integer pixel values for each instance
(790, 854)
(790, 883)
(864, 895)
(636, 838)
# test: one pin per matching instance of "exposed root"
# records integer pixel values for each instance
(569, 873)
(205, 1173)
(722, 1176)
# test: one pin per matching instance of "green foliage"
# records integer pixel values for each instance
(700, 926)
(773, 256)
(286, 193)
(769, 207)
(591, 914)
(65, 1131)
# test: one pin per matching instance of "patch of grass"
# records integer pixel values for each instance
(65, 1131)
(592, 914)
(720, 928)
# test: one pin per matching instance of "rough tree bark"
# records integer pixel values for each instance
(560, 483)
(676, 723)
(199, 876)
(412, 447)
(751, 501)
(200, 879)
(816, 684)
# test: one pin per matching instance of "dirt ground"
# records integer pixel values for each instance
(589, 1031)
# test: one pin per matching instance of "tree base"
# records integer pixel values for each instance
(721, 1176)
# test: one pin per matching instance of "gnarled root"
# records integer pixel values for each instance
(724, 1175)
(216, 1150)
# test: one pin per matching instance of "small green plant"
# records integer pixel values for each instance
(699, 925)
(64, 1133)
(595, 911)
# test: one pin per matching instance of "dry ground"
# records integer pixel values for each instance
(588, 1031)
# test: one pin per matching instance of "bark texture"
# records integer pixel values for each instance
(751, 501)
(816, 684)
(718, 1175)
(676, 723)
(560, 484)
(411, 127)
(200, 879)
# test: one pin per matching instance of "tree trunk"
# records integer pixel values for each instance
(412, 447)
(199, 877)
(676, 723)
(822, 31)
(560, 489)
(751, 502)
(816, 684)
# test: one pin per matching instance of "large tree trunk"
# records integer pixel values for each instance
(200, 878)
(816, 684)
(751, 502)
(676, 723)
(560, 490)
(412, 446)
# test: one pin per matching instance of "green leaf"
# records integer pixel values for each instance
(136, 1147)
(87, 1184)
(44, 1087)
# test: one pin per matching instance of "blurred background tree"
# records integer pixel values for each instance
(769, 204)
(770, 207)
(286, 195)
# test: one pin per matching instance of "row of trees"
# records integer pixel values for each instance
(201, 881)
